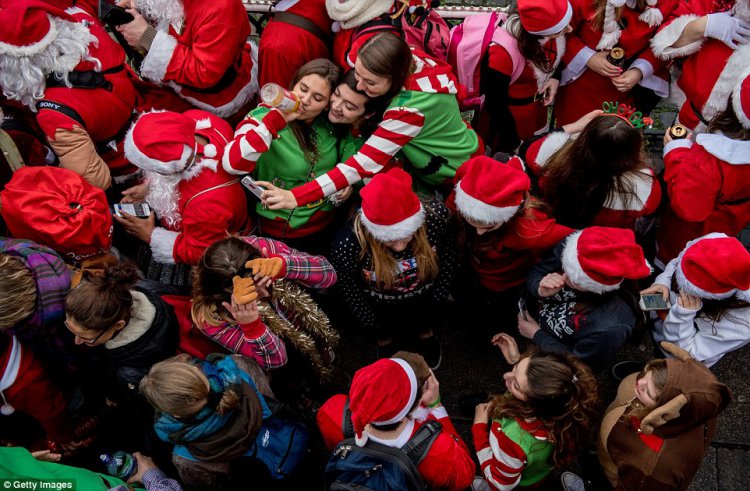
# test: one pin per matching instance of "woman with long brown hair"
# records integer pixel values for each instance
(289, 149)
(539, 423)
(594, 172)
(395, 263)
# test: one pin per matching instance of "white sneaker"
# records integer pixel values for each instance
(572, 482)
(479, 484)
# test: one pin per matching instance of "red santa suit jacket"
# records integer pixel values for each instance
(212, 203)
(583, 90)
(285, 47)
(709, 190)
(207, 60)
(508, 116)
(105, 112)
(27, 388)
(710, 69)
(448, 464)
(617, 211)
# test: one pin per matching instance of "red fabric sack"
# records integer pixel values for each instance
(58, 208)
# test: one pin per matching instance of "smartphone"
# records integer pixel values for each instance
(113, 15)
(522, 308)
(653, 301)
(140, 210)
(250, 184)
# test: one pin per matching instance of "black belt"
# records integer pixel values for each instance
(226, 80)
(302, 23)
(698, 113)
(88, 79)
(521, 101)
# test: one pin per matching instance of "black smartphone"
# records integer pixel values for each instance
(112, 15)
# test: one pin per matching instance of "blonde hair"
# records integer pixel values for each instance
(18, 291)
(179, 388)
(383, 262)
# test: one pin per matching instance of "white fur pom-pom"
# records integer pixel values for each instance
(652, 16)
(209, 150)
(608, 40)
(6, 409)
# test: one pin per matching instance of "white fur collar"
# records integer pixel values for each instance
(736, 152)
(541, 76)
(143, 314)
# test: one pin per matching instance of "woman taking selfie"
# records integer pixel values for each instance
(539, 423)
(290, 149)
(422, 121)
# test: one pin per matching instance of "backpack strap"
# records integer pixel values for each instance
(347, 427)
(503, 38)
(420, 443)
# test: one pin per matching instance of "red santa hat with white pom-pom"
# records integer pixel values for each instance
(381, 394)
(164, 142)
(714, 266)
(390, 209)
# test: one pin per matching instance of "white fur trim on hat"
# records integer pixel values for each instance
(739, 111)
(557, 27)
(551, 144)
(32, 49)
(479, 211)
(143, 161)
(203, 124)
(162, 245)
(354, 13)
(240, 100)
(156, 61)
(572, 267)
(690, 288)
(397, 231)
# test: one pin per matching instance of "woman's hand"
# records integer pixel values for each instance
(276, 198)
(551, 284)
(668, 136)
(527, 327)
(600, 65)
(243, 314)
(430, 391)
(583, 121)
(657, 288)
(133, 30)
(144, 464)
(135, 194)
(140, 228)
(46, 456)
(549, 90)
(627, 80)
(508, 347)
(482, 413)
(689, 302)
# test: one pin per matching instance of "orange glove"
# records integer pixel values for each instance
(244, 290)
(266, 266)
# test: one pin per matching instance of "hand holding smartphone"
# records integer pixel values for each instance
(653, 301)
(522, 308)
(250, 184)
(140, 210)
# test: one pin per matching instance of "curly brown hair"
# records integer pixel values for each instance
(562, 395)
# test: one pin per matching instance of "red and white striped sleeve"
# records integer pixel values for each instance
(399, 126)
(251, 140)
(501, 459)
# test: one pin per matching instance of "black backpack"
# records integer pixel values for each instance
(377, 467)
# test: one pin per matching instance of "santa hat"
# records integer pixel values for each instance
(714, 266)
(390, 209)
(544, 17)
(164, 141)
(598, 259)
(349, 14)
(27, 27)
(381, 394)
(741, 101)
(611, 28)
(489, 191)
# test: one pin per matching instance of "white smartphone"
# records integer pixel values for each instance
(654, 301)
(140, 210)
(250, 184)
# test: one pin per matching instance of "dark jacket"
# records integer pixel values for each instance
(587, 325)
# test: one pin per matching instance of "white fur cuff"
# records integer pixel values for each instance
(666, 37)
(157, 59)
(577, 65)
(162, 245)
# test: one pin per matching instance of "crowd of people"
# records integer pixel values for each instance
(180, 254)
